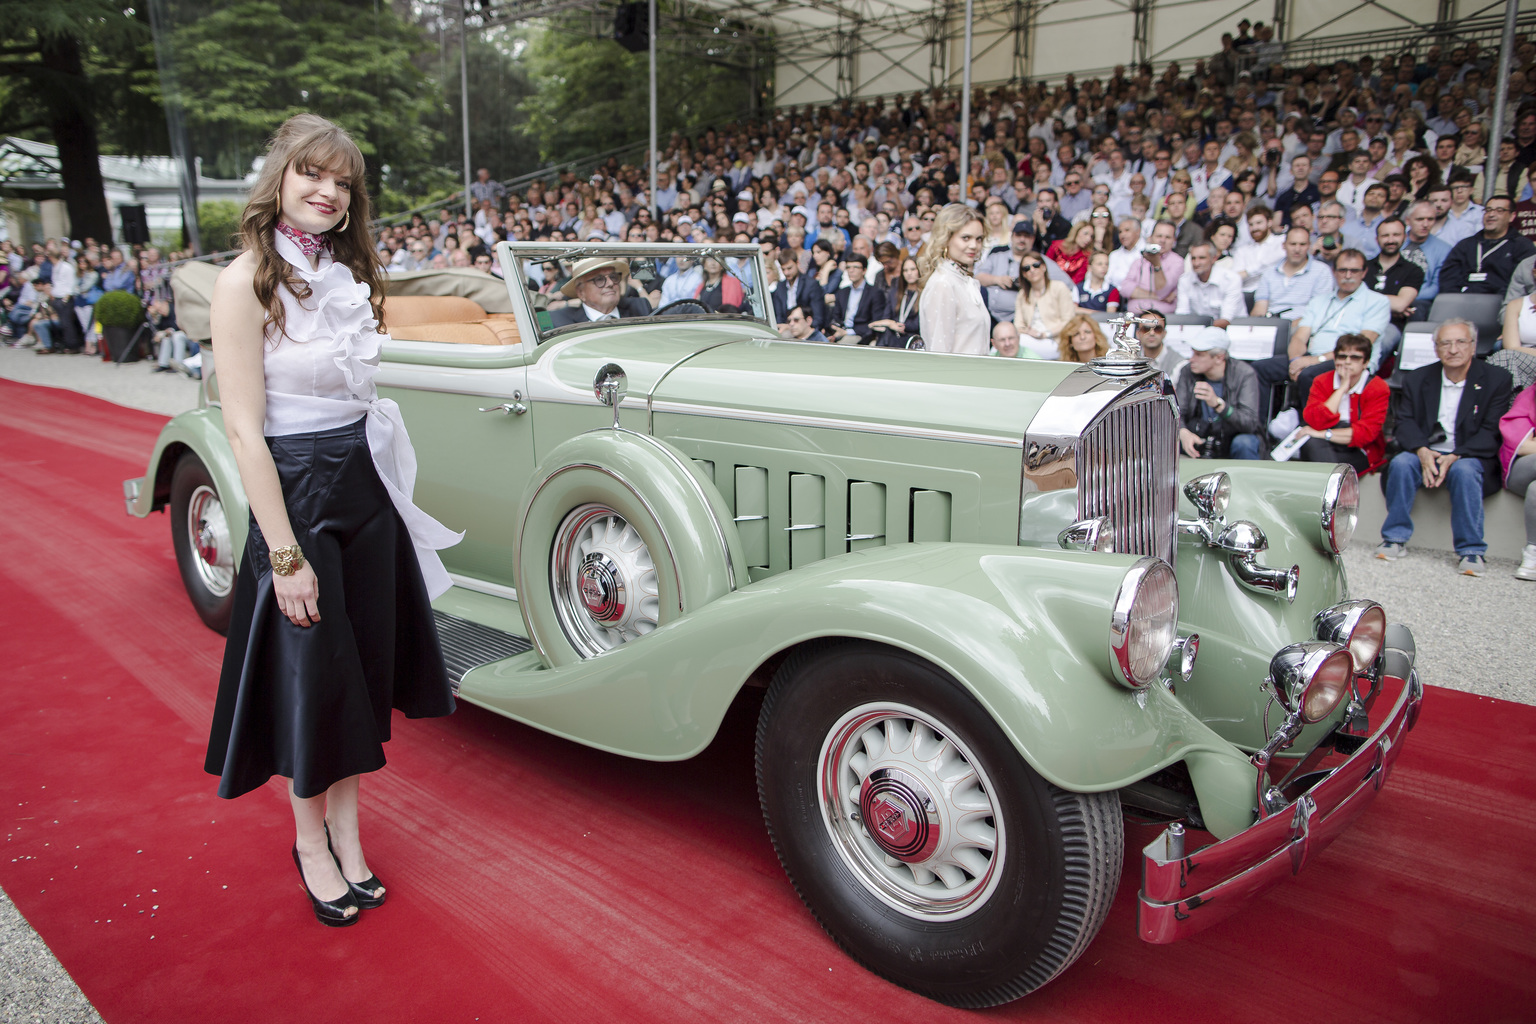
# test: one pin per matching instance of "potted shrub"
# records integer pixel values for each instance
(120, 315)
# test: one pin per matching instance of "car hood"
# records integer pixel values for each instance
(731, 369)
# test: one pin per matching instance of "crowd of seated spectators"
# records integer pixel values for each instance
(1342, 198)
(49, 291)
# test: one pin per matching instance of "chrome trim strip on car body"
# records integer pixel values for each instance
(483, 587)
(1182, 895)
(650, 397)
(863, 426)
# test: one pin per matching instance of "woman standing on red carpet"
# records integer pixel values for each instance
(332, 626)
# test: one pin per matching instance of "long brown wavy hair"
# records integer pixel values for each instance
(304, 142)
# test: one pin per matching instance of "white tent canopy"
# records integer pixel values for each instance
(865, 48)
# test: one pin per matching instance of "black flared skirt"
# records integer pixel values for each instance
(313, 704)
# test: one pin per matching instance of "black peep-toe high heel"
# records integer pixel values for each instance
(362, 891)
(332, 913)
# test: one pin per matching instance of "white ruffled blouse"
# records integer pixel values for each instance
(325, 381)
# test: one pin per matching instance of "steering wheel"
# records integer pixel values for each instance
(694, 306)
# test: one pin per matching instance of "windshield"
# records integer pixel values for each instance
(599, 285)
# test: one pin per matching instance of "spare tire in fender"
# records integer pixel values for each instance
(619, 533)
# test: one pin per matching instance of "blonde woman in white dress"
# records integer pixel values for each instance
(952, 315)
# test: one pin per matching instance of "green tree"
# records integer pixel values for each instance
(245, 66)
(218, 220)
(498, 84)
(593, 94)
(74, 71)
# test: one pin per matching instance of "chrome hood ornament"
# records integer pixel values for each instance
(1124, 357)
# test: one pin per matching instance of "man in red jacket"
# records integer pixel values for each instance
(1346, 410)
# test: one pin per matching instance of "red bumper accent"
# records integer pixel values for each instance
(1186, 895)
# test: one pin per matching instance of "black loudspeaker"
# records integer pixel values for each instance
(135, 225)
(631, 27)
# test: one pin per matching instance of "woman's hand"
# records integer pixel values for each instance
(298, 596)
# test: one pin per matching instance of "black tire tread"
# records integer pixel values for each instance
(1093, 836)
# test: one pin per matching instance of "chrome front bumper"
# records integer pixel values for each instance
(1184, 895)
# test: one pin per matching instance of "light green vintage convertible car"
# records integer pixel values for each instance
(996, 615)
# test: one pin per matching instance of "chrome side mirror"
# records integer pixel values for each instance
(610, 386)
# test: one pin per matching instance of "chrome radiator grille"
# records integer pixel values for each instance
(1128, 470)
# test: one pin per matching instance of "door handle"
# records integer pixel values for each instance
(516, 407)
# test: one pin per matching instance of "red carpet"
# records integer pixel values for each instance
(535, 880)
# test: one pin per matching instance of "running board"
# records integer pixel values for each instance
(467, 645)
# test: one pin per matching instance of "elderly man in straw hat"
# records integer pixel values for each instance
(599, 283)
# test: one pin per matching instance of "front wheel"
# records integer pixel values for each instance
(205, 552)
(916, 834)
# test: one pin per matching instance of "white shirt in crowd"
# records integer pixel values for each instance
(64, 278)
(1450, 402)
(1358, 387)
(1219, 297)
(1352, 195)
(1121, 260)
(1253, 259)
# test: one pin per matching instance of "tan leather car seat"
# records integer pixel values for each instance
(447, 318)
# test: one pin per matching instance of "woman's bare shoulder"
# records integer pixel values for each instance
(236, 282)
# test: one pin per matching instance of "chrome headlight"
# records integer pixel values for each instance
(1209, 494)
(1359, 626)
(1144, 623)
(1311, 678)
(1341, 508)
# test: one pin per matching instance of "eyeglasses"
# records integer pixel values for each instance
(603, 280)
(1454, 343)
(1100, 216)
(1348, 357)
(1032, 265)
(1460, 186)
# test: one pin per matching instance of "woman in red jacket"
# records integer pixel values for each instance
(1346, 410)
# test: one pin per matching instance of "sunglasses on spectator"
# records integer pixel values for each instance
(1348, 357)
(1031, 265)
(604, 279)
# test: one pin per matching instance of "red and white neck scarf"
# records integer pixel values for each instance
(310, 245)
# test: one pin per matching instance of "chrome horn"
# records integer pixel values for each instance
(1243, 542)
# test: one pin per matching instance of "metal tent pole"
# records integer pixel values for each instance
(1491, 183)
(965, 109)
(651, 40)
(469, 206)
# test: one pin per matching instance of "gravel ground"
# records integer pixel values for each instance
(1461, 624)
(33, 986)
(135, 385)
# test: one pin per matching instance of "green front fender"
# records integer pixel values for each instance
(200, 432)
(1025, 631)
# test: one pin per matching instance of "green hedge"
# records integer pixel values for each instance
(119, 309)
